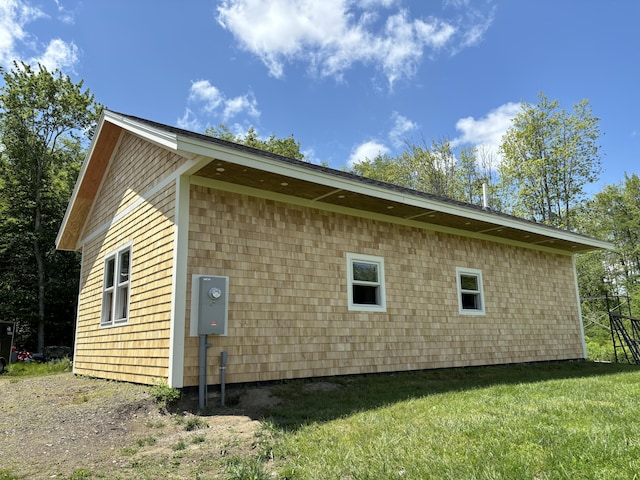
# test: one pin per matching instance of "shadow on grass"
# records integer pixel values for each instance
(304, 402)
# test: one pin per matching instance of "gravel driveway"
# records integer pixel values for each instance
(56, 426)
(48, 423)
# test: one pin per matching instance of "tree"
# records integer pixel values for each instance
(470, 178)
(44, 117)
(614, 214)
(550, 155)
(434, 169)
(385, 168)
(287, 147)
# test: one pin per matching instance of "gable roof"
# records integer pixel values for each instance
(319, 185)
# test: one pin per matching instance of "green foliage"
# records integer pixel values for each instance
(385, 169)
(164, 394)
(7, 475)
(37, 369)
(81, 474)
(181, 445)
(148, 440)
(155, 424)
(44, 118)
(614, 215)
(550, 155)
(246, 468)
(434, 169)
(599, 351)
(287, 147)
(195, 423)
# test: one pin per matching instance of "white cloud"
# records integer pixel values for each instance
(15, 15)
(203, 92)
(206, 99)
(375, 3)
(334, 35)
(189, 121)
(367, 151)
(401, 127)
(64, 15)
(58, 55)
(477, 25)
(235, 106)
(487, 132)
(456, 3)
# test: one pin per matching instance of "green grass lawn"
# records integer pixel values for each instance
(37, 369)
(541, 421)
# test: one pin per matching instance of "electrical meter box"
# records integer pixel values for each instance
(213, 301)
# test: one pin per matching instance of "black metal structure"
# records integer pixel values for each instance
(625, 329)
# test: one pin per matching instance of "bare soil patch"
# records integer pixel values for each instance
(63, 426)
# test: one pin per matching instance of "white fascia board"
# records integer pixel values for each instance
(199, 147)
(156, 135)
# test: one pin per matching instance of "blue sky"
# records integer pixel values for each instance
(348, 78)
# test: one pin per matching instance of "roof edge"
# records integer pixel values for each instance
(81, 175)
(177, 139)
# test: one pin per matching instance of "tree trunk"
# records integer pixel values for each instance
(38, 255)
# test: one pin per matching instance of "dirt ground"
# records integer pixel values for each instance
(69, 427)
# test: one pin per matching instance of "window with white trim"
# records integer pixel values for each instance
(365, 279)
(470, 293)
(115, 292)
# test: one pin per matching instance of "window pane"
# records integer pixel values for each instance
(109, 272)
(365, 272)
(124, 266)
(470, 301)
(122, 307)
(468, 282)
(107, 305)
(365, 295)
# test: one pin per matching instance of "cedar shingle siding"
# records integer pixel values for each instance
(281, 231)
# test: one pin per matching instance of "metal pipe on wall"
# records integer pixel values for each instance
(223, 370)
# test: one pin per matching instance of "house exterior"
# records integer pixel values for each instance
(328, 273)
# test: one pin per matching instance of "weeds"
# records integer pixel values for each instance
(246, 468)
(180, 446)
(155, 424)
(81, 474)
(195, 423)
(129, 451)
(37, 369)
(7, 475)
(163, 394)
(148, 440)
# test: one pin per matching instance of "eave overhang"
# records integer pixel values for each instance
(322, 186)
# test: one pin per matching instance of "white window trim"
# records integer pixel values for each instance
(478, 274)
(381, 306)
(115, 290)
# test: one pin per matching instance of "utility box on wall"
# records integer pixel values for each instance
(212, 302)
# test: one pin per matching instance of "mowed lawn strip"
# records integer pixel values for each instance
(540, 421)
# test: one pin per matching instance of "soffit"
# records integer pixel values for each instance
(87, 186)
(490, 224)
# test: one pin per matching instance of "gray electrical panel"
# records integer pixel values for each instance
(213, 301)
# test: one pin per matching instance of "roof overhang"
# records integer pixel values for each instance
(322, 186)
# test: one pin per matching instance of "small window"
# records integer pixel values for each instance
(115, 295)
(470, 295)
(366, 283)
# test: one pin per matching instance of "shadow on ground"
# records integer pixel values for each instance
(294, 403)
